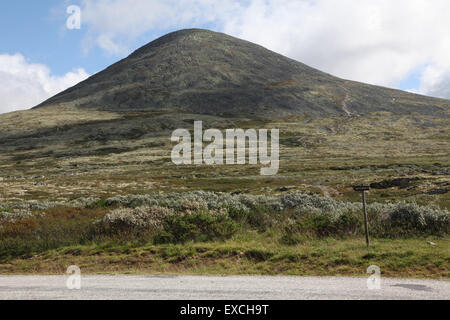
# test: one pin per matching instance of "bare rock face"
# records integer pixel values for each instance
(204, 72)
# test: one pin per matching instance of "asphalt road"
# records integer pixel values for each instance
(226, 288)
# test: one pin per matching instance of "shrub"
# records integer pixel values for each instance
(180, 201)
(263, 218)
(325, 225)
(14, 215)
(141, 218)
(302, 203)
(187, 205)
(315, 215)
(170, 216)
(39, 232)
(292, 233)
(19, 228)
(411, 219)
(197, 226)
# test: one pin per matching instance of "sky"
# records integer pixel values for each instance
(403, 44)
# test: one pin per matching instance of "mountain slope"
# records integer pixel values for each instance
(204, 72)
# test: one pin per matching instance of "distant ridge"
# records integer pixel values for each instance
(205, 72)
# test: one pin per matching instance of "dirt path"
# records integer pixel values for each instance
(328, 191)
(344, 103)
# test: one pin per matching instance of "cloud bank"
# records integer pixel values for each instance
(24, 84)
(376, 41)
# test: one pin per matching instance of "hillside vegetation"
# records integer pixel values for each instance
(206, 232)
(126, 153)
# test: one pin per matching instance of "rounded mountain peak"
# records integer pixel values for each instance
(192, 38)
(205, 72)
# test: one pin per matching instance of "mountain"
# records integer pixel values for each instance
(204, 72)
(111, 134)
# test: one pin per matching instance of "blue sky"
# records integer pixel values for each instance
(36, 29)
(402, 44)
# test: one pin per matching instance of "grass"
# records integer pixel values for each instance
(251, 255)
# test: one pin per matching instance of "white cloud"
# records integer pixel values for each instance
(114, 24)
(375, 41)
(24, 85)
(436, 81)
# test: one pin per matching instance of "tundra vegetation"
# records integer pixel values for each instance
(292, 233)
(103, 193)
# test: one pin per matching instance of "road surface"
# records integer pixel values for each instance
(226, 288)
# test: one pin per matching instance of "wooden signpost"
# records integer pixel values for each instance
(363, 190)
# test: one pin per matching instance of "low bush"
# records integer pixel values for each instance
(205, 216)
(14, 215)
(148, 218)
(292, 233)
(197, 226)
(39, 232)
(406, 219)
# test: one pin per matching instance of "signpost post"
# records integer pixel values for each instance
(363, 190)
